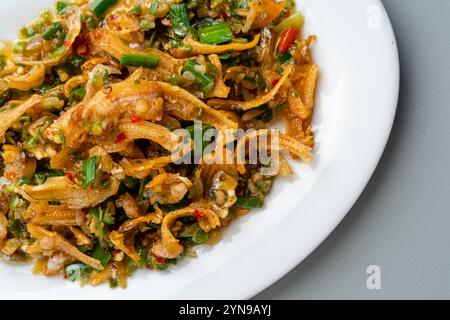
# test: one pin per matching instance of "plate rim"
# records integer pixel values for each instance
(395, 99)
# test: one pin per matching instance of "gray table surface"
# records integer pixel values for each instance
(401, 222)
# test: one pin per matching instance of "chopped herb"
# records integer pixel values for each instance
(142, 184)
(280, 108)
(44, 88)
(106, 184)
(25, 118)
(77, 94)
(162, 263)
(212, 70)
(225, 56)
(264, 185)
(58, 52)
(14, 203)
(200, 236)
(267, 115)
(147, 24)
(20, 47)
(260, 83)
(100, 254)
(96, 214)
(109, 213)
(31, 142)
(84, 249)
(62, 139)
(151, 39)
(130, 182)
(75, 62)
(89, 21)
(40, 178)
(206, 139)
(172, 207)
(240, 40)
(136, 10)
(154, 7)
(2, 66)
(60, 6)
(285, 57)
(23, 181)
(26, 32)
(76, 271)
(17, 227)
(113, 283)
(95, 128)
(89, 168)
(249, 202)
(173, 80)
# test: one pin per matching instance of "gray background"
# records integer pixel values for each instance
(402, 220)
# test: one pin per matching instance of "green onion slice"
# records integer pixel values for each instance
(216, 34)
(140, 60)
(99, 7)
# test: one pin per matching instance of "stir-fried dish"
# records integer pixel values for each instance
(91, 97)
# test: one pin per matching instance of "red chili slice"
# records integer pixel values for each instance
(70, 176)
(120, 137)
(198, 214)
(160, 260)
(10, 175)
(288, 37)
(135, 118)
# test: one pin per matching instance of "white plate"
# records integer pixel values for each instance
(356, 102)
